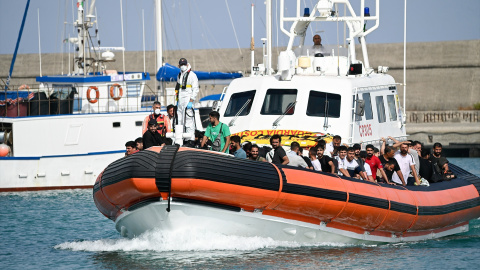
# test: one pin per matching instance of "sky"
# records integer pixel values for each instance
(206, 24)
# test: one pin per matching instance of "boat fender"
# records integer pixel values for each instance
(4, 150)
(24, 86)
(112, 91)
(97, 94)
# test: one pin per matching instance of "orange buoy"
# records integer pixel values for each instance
(97, 94)
(112, 91)
(4, 150)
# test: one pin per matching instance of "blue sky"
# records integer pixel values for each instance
(205, 24)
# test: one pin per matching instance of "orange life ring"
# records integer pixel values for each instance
(24, 86)
(97, 94)
(112, 91)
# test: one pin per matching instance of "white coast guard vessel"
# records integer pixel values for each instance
(317, 94)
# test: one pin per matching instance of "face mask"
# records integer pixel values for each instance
(183, 68)
(157, 111)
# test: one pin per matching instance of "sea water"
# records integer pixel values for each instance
(64, 230)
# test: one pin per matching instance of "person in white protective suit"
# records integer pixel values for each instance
(187, 89)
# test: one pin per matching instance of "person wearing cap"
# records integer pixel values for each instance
(187, 90)
(152, 137)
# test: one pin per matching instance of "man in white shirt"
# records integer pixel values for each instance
(317, 49)
(407, 166)
(352, 165)
(293, 157)
(414, 149)
(342, 167)
(312, 154)
(330, 147)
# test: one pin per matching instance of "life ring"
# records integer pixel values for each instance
(24, 86)
(97, 94)
(112, 91)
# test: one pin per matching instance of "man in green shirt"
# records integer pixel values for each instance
(218, 133)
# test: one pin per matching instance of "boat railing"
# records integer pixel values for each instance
(36, 100)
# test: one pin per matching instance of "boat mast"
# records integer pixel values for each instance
(269, 37)
(39, 45)
(159, 47)
(80, 63)
(405, 62)
(158, 16)
(252, 44)
(16, 46)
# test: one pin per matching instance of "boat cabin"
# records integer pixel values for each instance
(317, 91)
(353, 108)
(75, 109)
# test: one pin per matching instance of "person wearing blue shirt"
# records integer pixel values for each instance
(237, 147)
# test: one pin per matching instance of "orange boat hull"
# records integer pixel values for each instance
(288, 193)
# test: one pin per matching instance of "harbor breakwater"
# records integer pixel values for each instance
(440, 75)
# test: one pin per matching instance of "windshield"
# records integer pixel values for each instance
(277, 100)
(323, 104)
(237, 101)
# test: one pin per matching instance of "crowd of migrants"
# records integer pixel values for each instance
(401, 163)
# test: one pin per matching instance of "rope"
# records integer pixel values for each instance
(233, 26)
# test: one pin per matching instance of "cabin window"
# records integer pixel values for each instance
(239, 101)
(368, 106)
(61, 100)
(392, 108)
(323, 104)
(133, 89)
(380, 109)
(279, 101)
(356, 106)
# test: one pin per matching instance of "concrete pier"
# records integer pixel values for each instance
(457, 131)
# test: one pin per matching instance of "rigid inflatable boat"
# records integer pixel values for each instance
(173, 187)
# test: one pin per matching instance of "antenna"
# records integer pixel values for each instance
(69, 46)
(123, 39)
(252, 42)
(405, 63)
(97, 32)
(143, 28)
(269, 37)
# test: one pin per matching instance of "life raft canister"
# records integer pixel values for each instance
(97, 94)
(112, 91)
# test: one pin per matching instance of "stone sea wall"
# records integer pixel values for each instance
(441, 76)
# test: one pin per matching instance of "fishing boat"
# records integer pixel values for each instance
(313, 95)
(56, 137)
